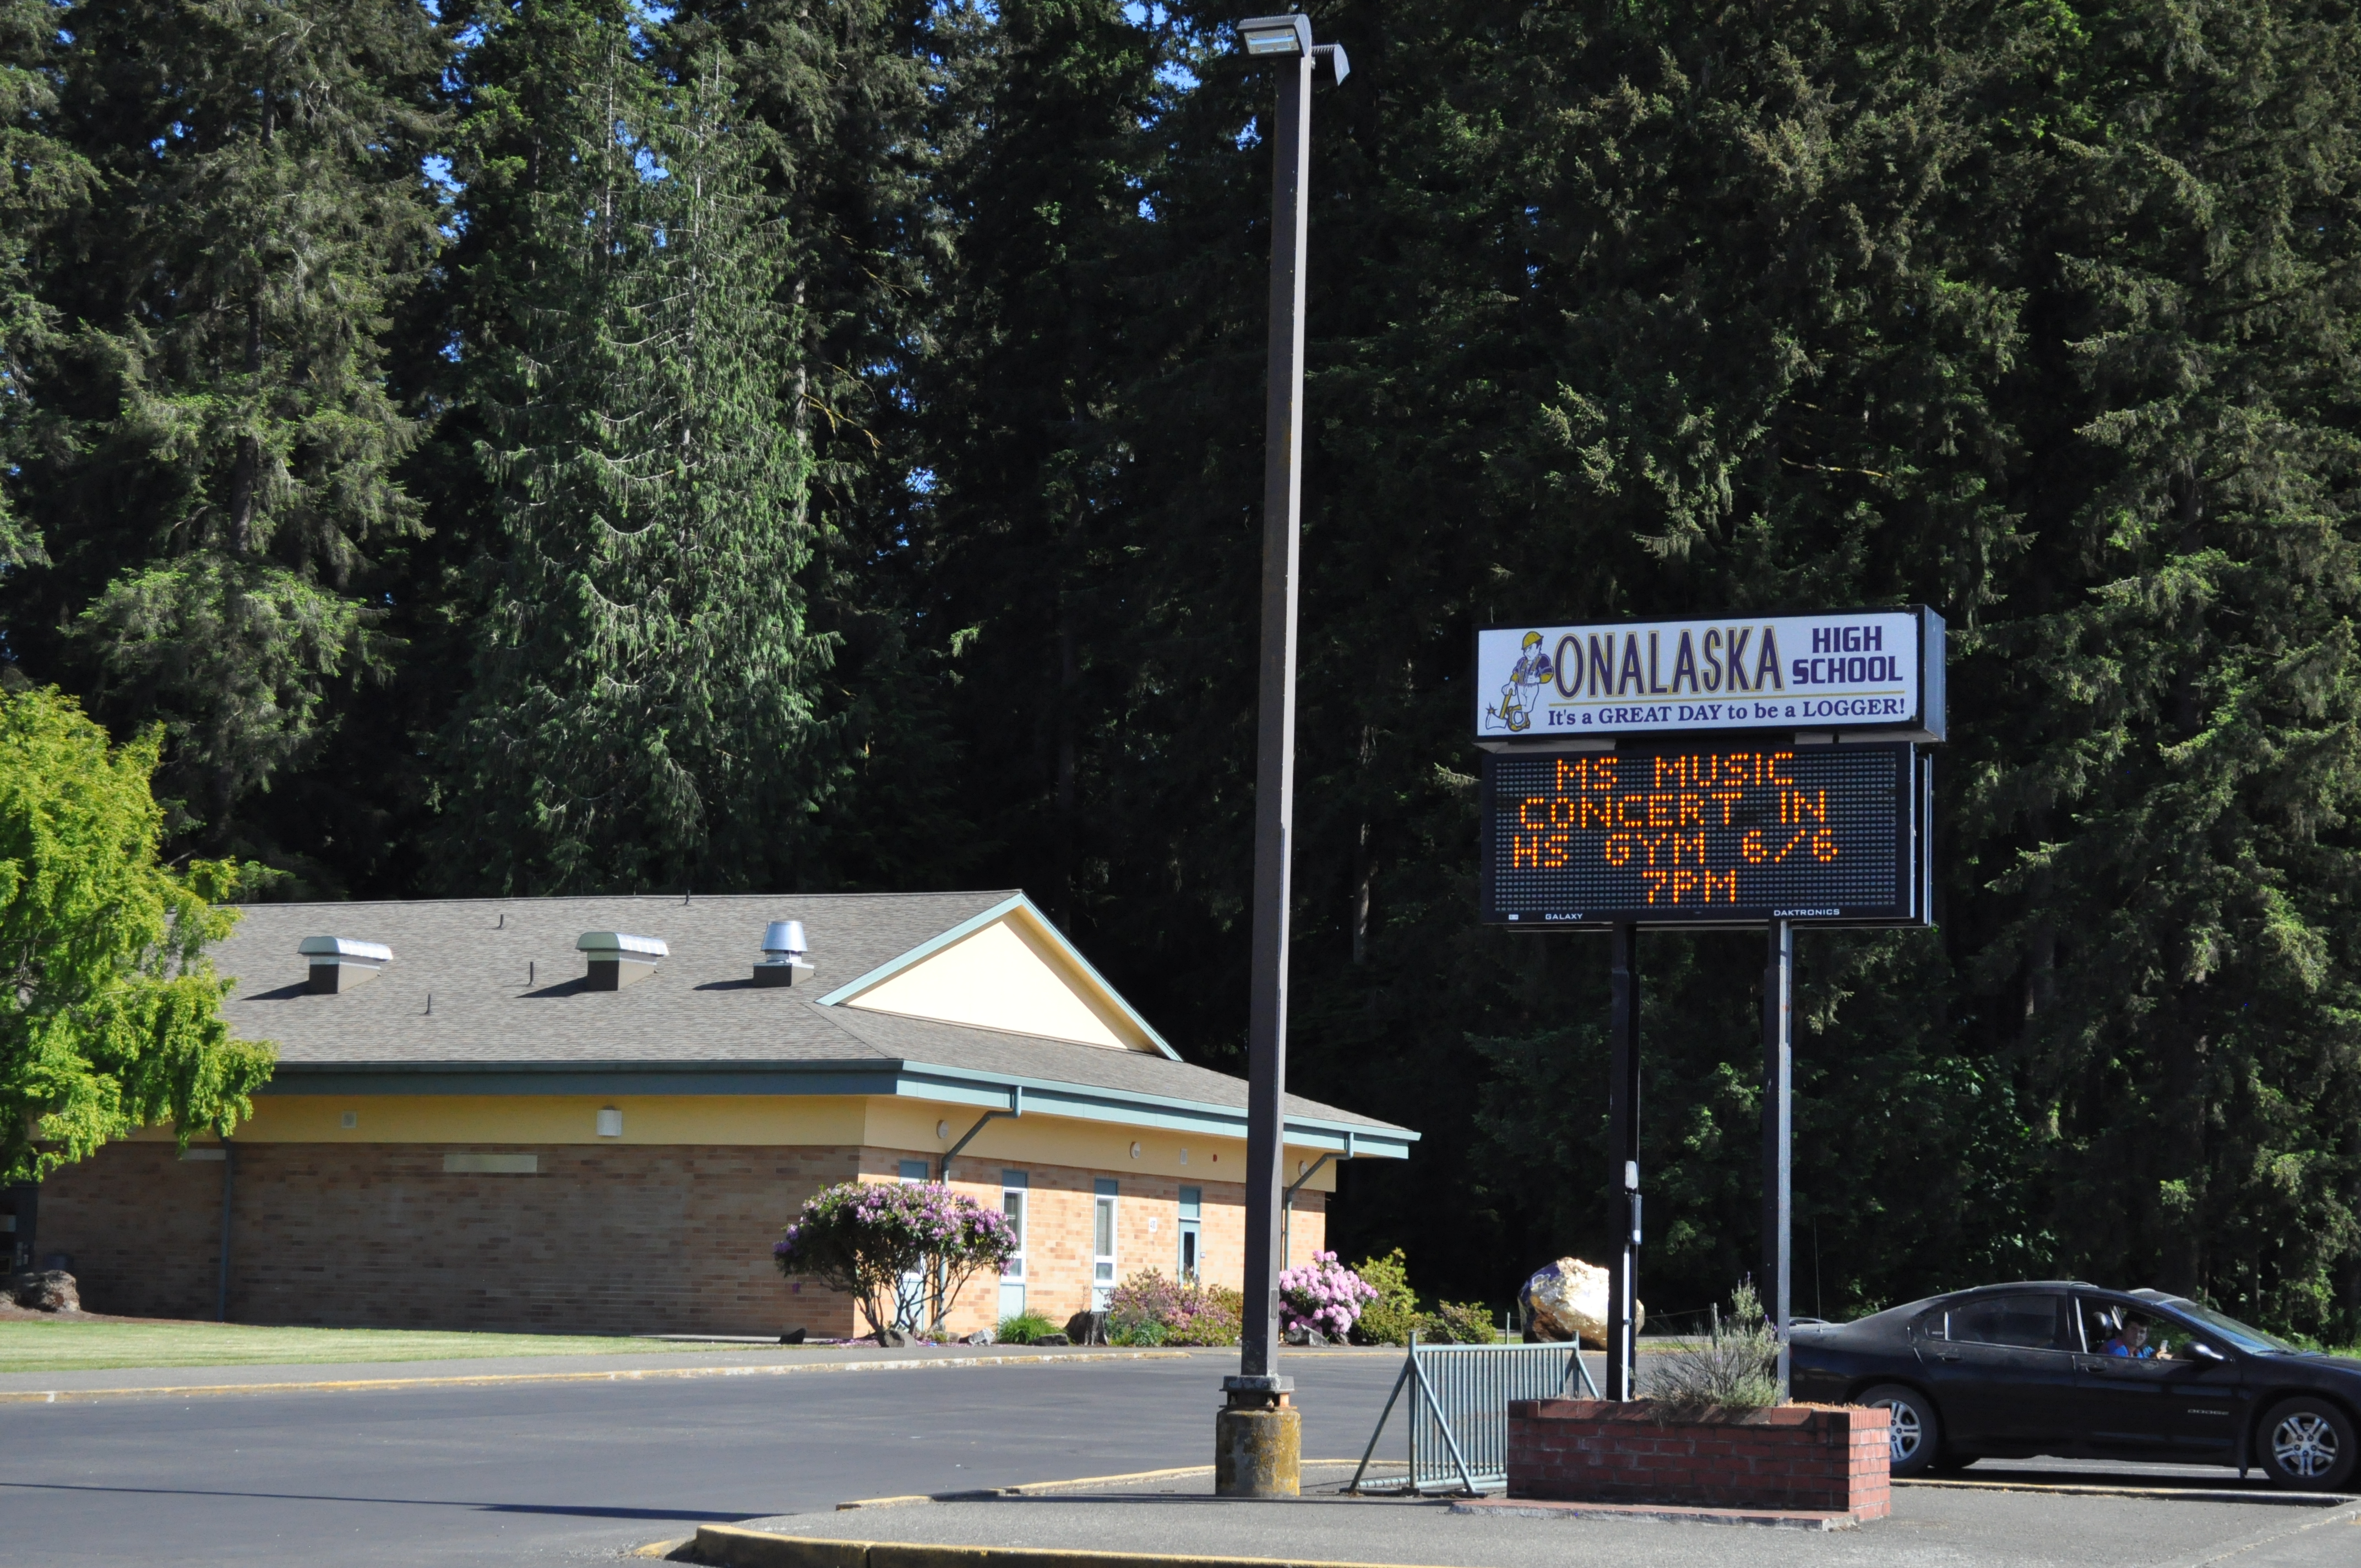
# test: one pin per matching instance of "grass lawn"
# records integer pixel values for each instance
(44, 1344)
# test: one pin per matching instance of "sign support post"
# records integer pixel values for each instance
(1778, 1133)
(1623, 1148)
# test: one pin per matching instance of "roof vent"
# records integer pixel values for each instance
(617, 959)
(339, 963)
(783, 954)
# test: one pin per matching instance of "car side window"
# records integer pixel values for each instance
(2122, 1330)
(2025, 1322)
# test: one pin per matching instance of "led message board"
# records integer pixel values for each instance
(1828, 670)
(1708, 835)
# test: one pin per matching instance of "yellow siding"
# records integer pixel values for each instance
(911, 1126)
(1007, 976)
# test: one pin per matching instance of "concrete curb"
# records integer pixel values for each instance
(727, 1546)
(56, 1396)
(1045, 1488)
(1777, 1518)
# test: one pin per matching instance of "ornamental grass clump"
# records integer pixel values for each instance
(887, 1246)
(1324, 1296)
(1735, 1369)
(1150, 1309)
(1023, 1327)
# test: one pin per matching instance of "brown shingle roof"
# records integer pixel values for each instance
(700, 1008)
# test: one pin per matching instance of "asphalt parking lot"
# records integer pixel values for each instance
(571, 1472)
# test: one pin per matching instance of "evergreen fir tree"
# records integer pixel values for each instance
(41, 181)
(234, 443)
(641, 710)
(864, 110)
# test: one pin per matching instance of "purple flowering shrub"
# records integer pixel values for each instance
(1322, 1295)
(1150, 1308)
(885, 1246)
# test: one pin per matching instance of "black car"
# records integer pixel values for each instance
(2058, 1367)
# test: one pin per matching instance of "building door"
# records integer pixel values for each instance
(912, 1173)
(1012, 1185)
(1192, 1208)
(1103, 1242)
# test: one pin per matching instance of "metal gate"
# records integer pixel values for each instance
(1459, 1398)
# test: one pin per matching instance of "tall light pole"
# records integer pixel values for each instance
(1259, 1433)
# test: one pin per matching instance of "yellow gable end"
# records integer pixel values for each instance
(1007, 976)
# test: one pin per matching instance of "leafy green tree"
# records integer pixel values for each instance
(641, 709)
(110, 1021)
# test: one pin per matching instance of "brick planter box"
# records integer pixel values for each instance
(1817, 1458)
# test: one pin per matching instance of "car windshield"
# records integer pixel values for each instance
(2246, 1338)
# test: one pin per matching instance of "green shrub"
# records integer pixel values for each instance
(1390, 1319)
(1735, 1370)
(1023, 1327)
(1461, 1322)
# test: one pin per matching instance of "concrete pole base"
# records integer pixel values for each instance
(1258, 1451)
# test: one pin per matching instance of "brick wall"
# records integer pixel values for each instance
(1817, 1457)
(616, 1239)
(143, 1227)
(1059, 1222)
(604, 1238)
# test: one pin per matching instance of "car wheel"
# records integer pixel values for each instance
(2308, 1443)
(1917, 1435)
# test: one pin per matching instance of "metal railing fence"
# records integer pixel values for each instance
(1458, 1416)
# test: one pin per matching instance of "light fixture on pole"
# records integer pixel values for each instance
(1259, 1433)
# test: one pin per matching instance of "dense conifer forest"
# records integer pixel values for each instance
(561, 445)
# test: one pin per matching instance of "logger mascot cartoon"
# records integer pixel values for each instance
(1523, 689)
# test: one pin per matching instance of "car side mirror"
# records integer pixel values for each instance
(2204, 1352)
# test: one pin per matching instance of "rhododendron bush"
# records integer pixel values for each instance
(1322, 1295)
(1150, 1308)
(886, 1245)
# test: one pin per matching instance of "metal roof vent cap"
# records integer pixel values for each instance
(619, 959)
(339, 963)
(783, 954)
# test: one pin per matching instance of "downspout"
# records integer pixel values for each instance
(221, 1285)
(943, 1177)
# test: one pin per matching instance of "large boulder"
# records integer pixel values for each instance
(1568, 1300)
(45, 1291)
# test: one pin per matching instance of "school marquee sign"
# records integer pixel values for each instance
(1836, 670)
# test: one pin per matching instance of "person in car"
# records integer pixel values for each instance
(2131, 1340)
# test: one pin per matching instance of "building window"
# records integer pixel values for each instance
(1013, 1186)
(1103, 1244)
(913, 1171)
(1193, 1207)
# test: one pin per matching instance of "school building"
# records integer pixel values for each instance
(596, 1114)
